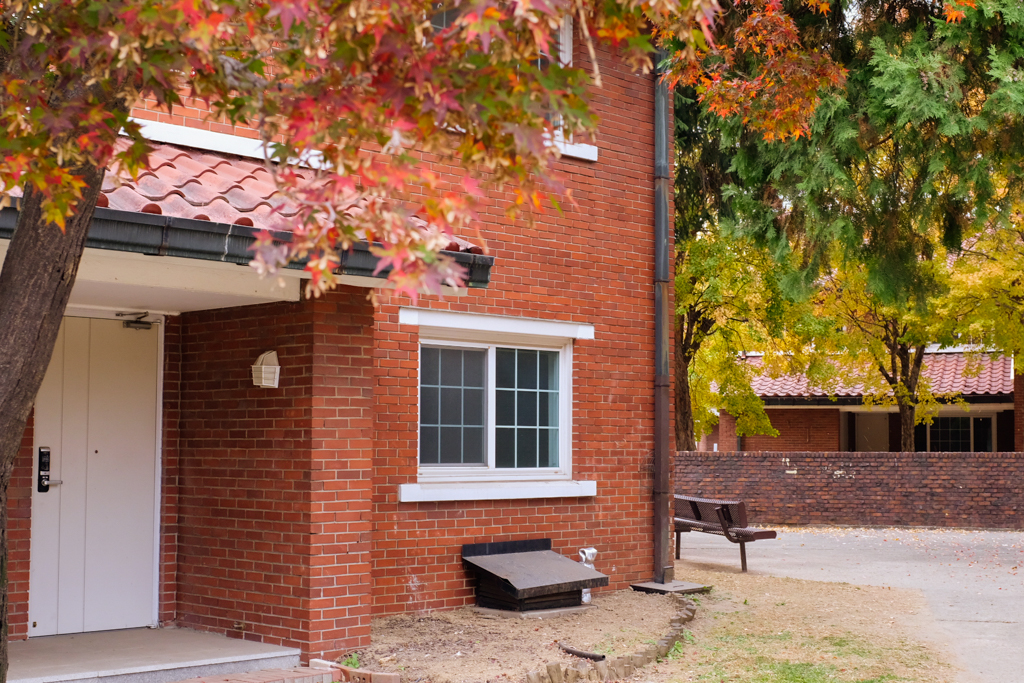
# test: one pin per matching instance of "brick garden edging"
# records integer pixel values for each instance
(623, 666)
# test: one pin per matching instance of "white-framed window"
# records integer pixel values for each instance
(496, 410)
(956, 434)
(445, 15)
(495, 407)
(566, 145)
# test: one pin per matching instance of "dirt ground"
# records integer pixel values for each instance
(463, 646)
(750, 627)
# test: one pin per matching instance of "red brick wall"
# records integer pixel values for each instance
(800, 429)
(340, 462)
(710, 441)
(594, 264)
(169, 462)
(19, 531)
(929, 489)
(273, 518)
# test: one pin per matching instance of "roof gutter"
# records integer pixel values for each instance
(157, 235)
(664, 569)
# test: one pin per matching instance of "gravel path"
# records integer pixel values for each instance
(973, 581)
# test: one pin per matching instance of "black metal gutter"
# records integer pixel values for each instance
(156, 235)
(664, 571)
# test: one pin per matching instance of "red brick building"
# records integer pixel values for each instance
(810, 420)
(182, 493)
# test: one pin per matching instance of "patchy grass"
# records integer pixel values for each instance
(762, 629)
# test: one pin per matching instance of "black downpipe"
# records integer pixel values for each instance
(664, 569)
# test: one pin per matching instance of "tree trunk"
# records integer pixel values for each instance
(907, 412)
(685, 439)
(35, 283)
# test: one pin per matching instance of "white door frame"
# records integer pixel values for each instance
(160, 320)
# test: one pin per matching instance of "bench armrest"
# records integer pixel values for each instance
(720, 511)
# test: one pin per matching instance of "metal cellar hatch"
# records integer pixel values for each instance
(527, 575)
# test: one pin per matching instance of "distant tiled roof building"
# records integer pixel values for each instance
(812, 419)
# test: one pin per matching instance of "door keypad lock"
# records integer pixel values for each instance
(43, 481)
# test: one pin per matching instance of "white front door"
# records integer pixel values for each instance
(93, 534)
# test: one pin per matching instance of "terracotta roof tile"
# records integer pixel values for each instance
(189, 183)
(945, 370)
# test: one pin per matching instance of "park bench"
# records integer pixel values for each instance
(722, 517)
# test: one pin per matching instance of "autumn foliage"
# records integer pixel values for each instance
(356, 90)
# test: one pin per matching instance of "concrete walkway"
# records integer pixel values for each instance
(973, 580)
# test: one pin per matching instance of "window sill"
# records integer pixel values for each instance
(422, 493)
(576, 150)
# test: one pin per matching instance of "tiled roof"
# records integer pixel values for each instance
(945, 370)
(189, 183)
(201, 185)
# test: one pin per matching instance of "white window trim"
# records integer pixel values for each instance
(503, 329)
(424, 493)
(474, 482)
(455, 474)
(566, 146)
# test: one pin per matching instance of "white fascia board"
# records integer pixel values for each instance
(198, 138)
(207, 140)
(422, 493)
(495, 324)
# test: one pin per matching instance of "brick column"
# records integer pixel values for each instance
(341, 462)
(1018, 413)
(727, 439)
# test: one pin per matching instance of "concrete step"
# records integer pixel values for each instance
(141, 656)
(297, 675)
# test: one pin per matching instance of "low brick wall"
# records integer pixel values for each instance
(915, 489)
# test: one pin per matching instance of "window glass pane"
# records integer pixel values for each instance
(428, 445)
(451, 367)
(527, 399)
(451, 445)
(547, 448)
(451, 406)
(547, 409)
(429, 363)
(429, 405)
(443, 18)
(452, 416)
(526, 448)
(983, 434)
(921, 438)
(505, 407)
(473, 407)
(505, 447)
(505, 368)
(548, 370)
(473, 445)
(526, 372)
(473, 364)
(951, 434)
(526, 408)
